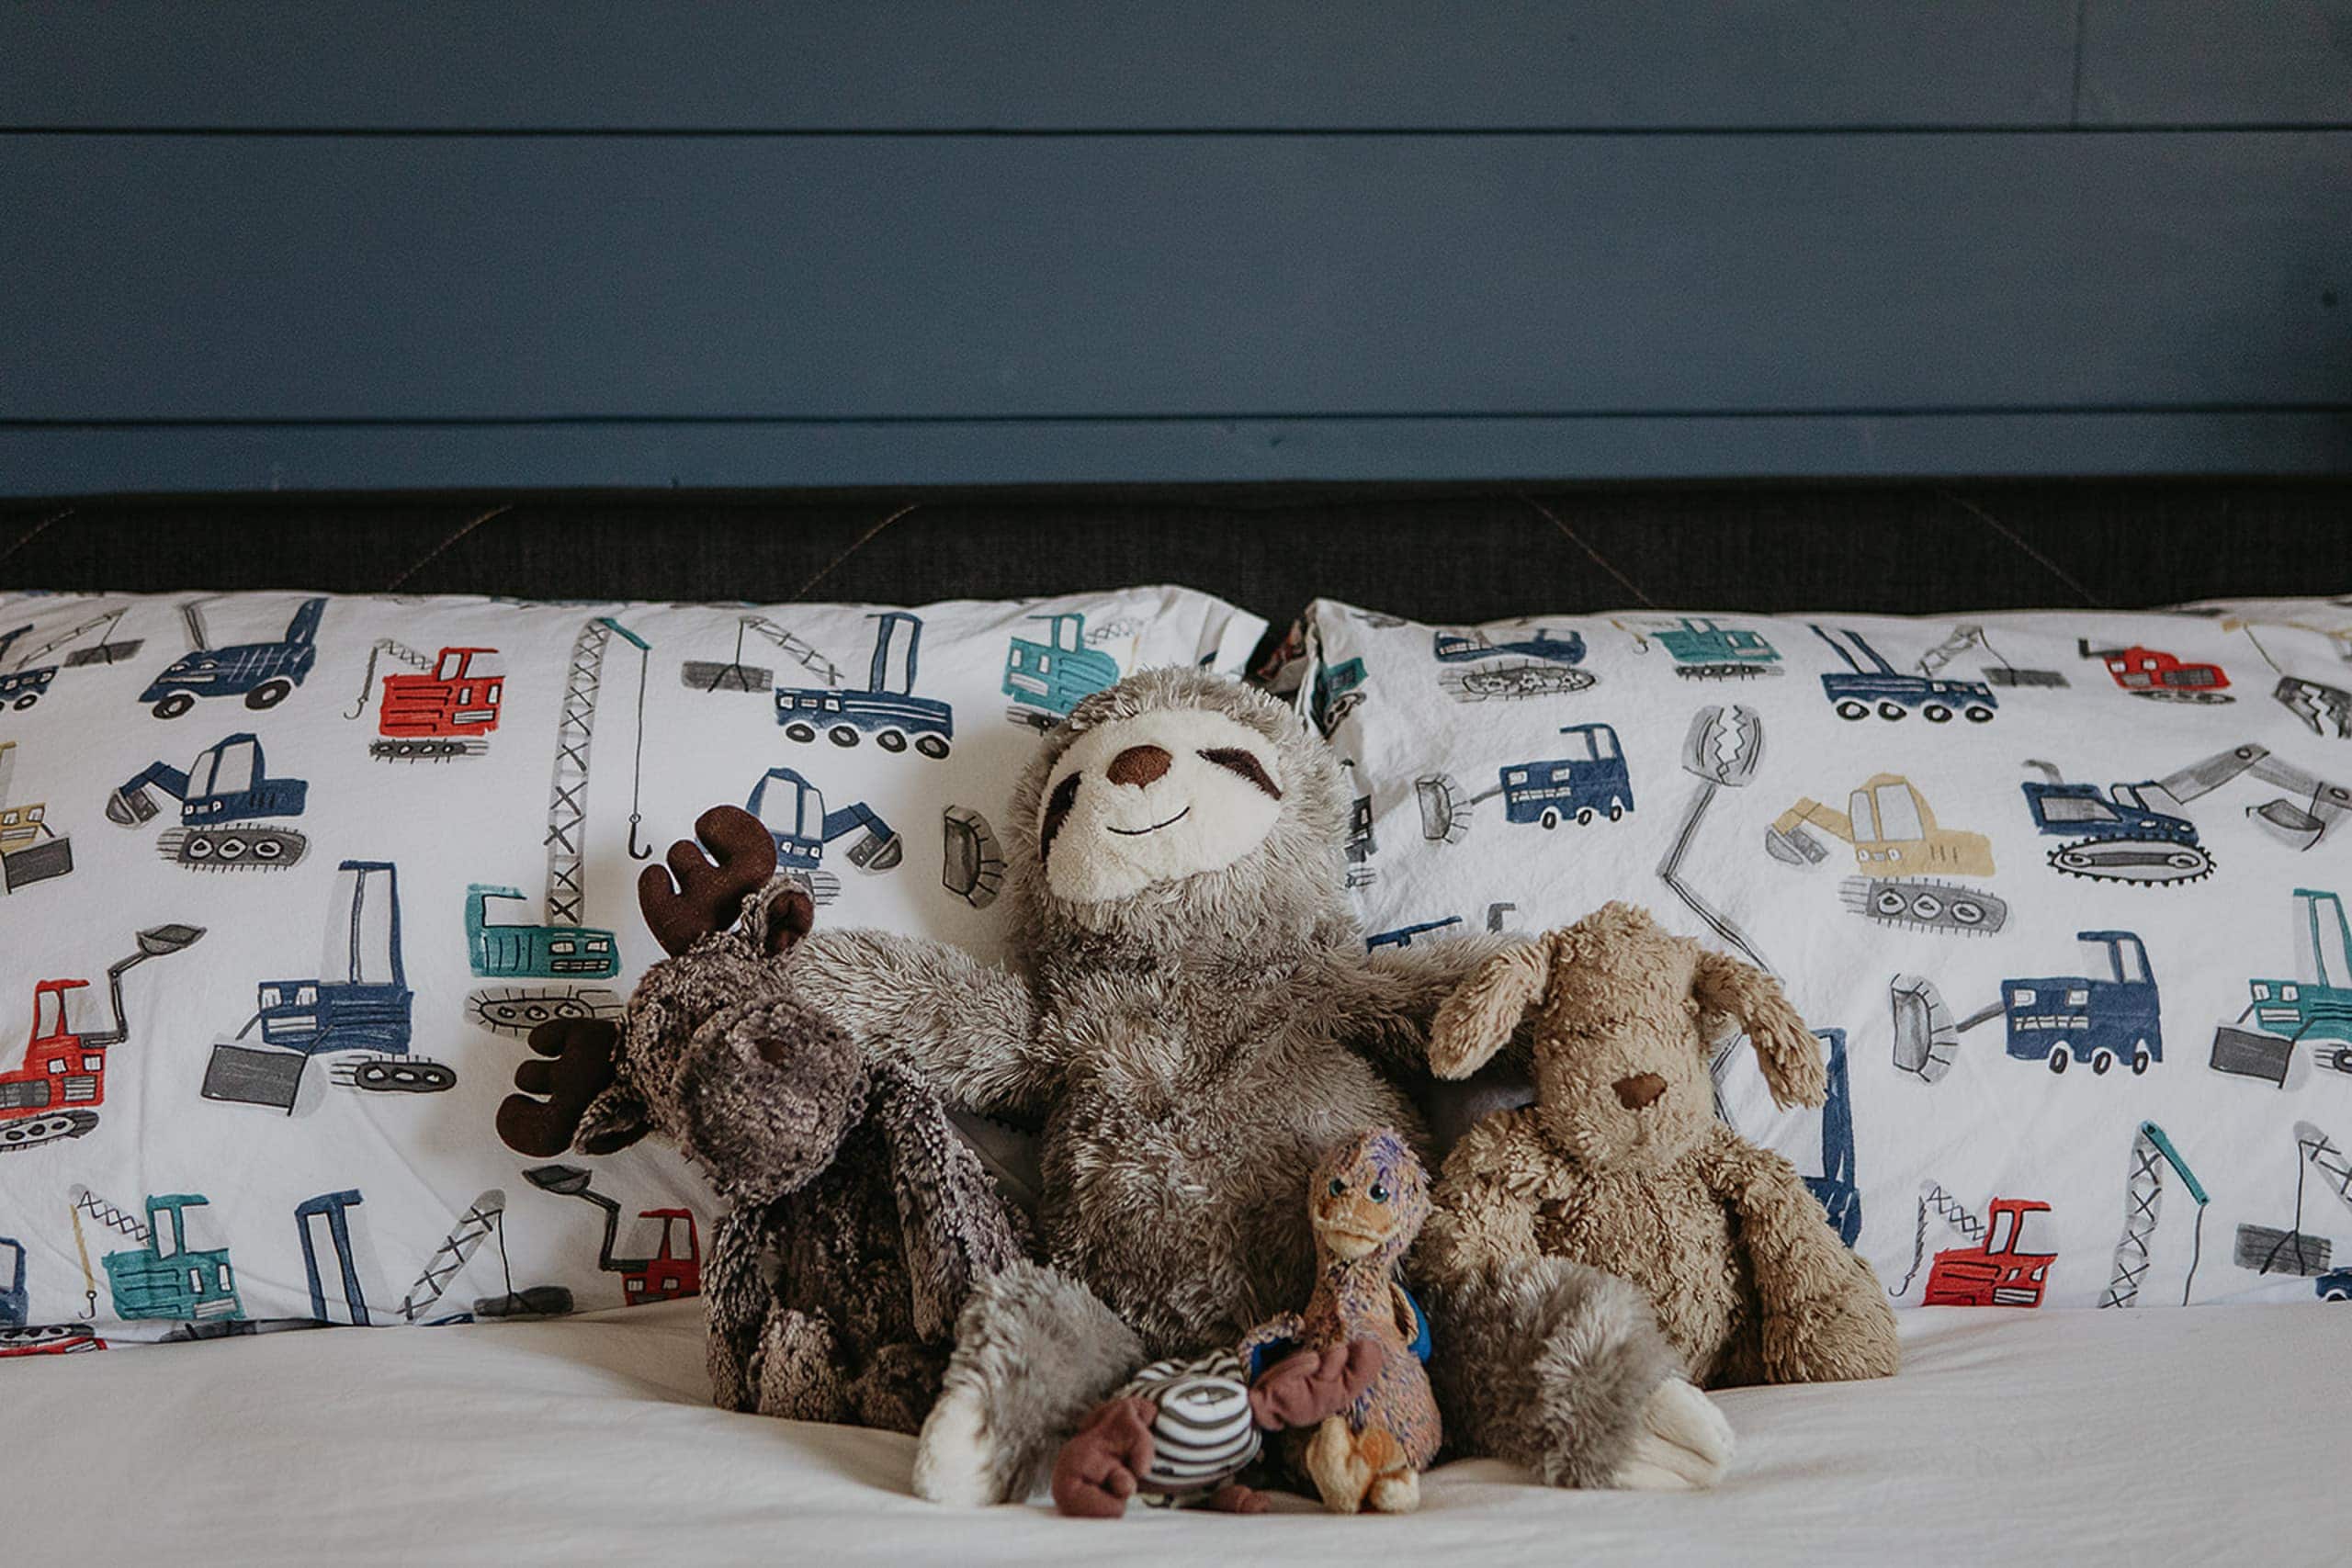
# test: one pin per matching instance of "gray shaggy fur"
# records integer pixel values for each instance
(846, 1177)
(1189, 1053)
(1548, 1366)
(1035, 1400)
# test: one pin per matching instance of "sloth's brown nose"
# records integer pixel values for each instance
(1639, 1091)
(1137, 765)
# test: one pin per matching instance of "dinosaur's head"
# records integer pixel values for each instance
(1368, 1198)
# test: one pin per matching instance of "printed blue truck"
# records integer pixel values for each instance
(264, 673)
(1870, 684)
(2093, 1019)
(1588, 780)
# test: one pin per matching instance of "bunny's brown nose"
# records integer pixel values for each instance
(1137, 765)
(1639, 1091)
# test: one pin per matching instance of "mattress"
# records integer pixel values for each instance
(2199, 1436)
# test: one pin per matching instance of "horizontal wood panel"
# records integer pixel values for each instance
(61, 461)
(438, 279)
(2210, 62)
(1033, 64)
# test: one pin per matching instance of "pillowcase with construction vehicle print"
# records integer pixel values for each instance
(2062, 893)
(288, 877)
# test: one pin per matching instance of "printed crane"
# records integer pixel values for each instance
(1706, 650)
(442, 707)
(709, 675)
(2323, 709)
(1997, 1269)
(564, 950)
(2159, 676)
(162, 1275)
(2143, 1194)
(2265, 1250)
(2001, 672)
(324, 1226)
(28, 681)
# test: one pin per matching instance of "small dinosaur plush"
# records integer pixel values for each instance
(1622, 1162)
(846, 1172)
(1366, 1201)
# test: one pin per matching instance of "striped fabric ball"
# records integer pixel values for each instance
(1202, 1434)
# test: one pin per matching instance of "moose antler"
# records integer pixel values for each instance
(579, 1068)
(709, 889)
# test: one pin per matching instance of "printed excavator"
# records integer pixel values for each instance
(1898, 848)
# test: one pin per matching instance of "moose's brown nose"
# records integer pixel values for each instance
(1137, 765)
(1639, 1091)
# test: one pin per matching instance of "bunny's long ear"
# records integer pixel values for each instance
(1478, 1019)
(1786, 1050)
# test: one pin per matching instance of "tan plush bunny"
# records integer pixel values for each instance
(1622, 1164)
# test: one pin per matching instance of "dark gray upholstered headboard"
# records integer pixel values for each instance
(1438, 555)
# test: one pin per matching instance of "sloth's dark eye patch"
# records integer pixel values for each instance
(1057, 807)
(1243, 762)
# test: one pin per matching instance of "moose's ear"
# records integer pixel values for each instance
(1785, 1048)
(616, 1120)
(1478, 1019)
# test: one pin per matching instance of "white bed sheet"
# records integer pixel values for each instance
(2055, 1437)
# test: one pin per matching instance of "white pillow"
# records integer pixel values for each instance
(1653, 744)
(381, 789)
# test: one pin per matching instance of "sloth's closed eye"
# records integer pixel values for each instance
(1057, 807)
(1241, 761)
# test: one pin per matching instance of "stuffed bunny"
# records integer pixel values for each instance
(846, 1175)
(1620, 1162)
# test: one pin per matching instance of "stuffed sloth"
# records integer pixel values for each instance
(1622, 1161)
(846, 1173)
(1192, 1020)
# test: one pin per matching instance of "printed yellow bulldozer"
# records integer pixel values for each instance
(1898, 848)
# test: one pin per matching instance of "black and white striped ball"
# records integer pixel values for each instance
(1202, 1434)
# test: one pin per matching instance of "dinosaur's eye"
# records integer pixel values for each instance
(1378, 1191)
(1338, 1187)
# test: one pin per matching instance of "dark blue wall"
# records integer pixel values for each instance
(437, 244)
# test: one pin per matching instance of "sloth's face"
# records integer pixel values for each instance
(1155, 798)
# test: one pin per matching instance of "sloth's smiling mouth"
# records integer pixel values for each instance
(1156, 827)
